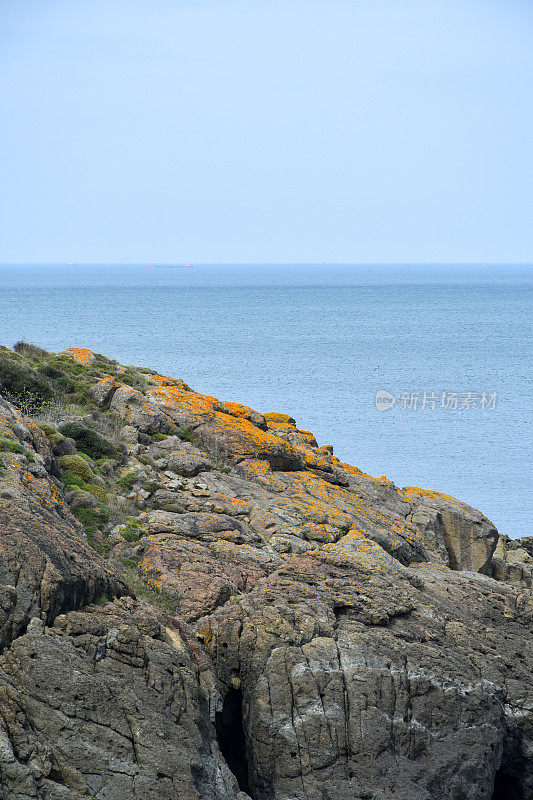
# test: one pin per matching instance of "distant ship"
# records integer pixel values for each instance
(169, 266)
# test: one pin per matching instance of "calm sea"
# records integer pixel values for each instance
(318, 342)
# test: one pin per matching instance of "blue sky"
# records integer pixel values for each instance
(266, 130)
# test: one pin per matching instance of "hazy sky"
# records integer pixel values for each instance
(266, 130)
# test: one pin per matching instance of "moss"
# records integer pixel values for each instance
(76, 465)
(54, 438)
(48, 430)
(91, 442)
(10, 445)
(158, 437)
(97, 491)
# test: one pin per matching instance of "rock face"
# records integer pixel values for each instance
(301, 630)
(46, 564)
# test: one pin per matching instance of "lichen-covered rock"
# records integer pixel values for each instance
(338, 637)
(469, 537)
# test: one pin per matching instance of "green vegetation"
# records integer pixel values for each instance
(27, 349)
(186, 434)
(162, 598)
(132, 531)
(72, 480)
(127, 480)
(41, 383)
(76, 465)
(92, 519)
(158, 437)
(91, 442)
(48, 430)
(20, 383)
(9, 445)
(96, 490)
(225, 469)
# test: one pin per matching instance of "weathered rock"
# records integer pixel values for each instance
(346, 639)
(358, 677)
(513, 561)
(107, 704)
(469, 537)
(46, 564)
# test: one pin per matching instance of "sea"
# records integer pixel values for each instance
(420, 372)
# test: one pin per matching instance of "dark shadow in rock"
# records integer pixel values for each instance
(231, 739)
(508, 782)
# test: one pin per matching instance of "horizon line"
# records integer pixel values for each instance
(273, 263)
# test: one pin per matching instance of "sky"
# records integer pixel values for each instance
(266, 131)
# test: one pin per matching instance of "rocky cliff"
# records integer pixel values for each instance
(199, 602)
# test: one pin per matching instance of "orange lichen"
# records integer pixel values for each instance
(274, 416)
(80, 354)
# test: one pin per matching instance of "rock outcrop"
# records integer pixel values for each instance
(254, 618)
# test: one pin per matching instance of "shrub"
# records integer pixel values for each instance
(76, 465)
(186, 434)
(158, 437)
(158, 597)
(92, 443)
(73, 480)
(92, 519)
(127, 480)
(29, 350)
(60, 380)
(128, 378)
(50, 371)
(49, 430)
(20, 383)
(225, 469)
(98, 491)
(133, 531)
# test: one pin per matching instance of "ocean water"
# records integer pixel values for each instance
(318, 342)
